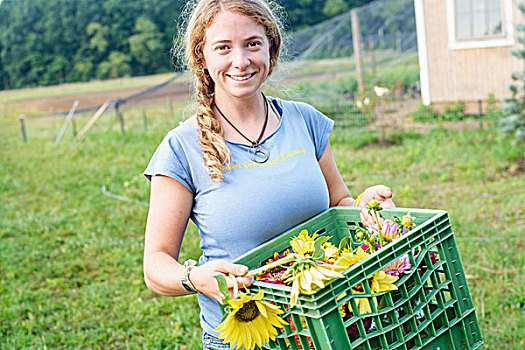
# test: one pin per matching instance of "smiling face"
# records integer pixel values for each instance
(236, 55)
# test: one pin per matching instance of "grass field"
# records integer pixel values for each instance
(71, 257)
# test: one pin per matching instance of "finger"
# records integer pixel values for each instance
(383, 192)
(235, 269)
(244, 282)
(388, 203)
(217, 296)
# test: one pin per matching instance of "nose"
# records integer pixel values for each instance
(240, 59)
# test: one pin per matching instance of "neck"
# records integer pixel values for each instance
(242, 110)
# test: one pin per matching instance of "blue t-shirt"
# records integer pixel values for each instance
(254, 202)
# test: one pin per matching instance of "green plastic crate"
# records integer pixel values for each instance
(432, 308)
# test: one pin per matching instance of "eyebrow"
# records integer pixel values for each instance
(222, 41)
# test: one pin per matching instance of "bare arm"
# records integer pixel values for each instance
(170, 209)
(169, 212)
(339, 194)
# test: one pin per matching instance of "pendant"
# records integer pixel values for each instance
(258, 153)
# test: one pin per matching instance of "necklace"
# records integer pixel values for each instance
(257, 152)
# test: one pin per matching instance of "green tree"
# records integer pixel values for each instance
(335, 7)
(98, 35)
(146, 45)
(513, 122)
(116, 66)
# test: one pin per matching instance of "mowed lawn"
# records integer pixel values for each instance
(71, 257)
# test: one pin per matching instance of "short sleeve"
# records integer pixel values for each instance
(319, 126)
(170, 160)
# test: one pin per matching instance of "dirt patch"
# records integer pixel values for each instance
(381, 143)
(58, 104)
(516, 168)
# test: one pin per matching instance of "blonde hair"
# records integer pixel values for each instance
(203, 12)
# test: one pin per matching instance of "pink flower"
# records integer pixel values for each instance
(365, 247)
(390, 230)
(398, 267)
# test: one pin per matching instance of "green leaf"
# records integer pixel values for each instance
(223, 287)
(319, 252)
(344, 244)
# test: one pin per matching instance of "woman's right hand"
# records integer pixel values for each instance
(202, 277)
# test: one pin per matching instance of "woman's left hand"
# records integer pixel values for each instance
(380, 193)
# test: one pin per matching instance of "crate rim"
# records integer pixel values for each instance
(436, 212)
(357, 266)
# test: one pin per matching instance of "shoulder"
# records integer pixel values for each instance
(192, 121)
(301, 110)
(182, 137)
(297, 105)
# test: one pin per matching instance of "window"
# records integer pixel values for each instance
(479, 23)
(477, 19)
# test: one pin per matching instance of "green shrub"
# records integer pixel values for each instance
(454, 112)
(424, 114)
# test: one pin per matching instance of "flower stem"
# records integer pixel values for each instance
(378, 229)
(287, 259)
(235, 286)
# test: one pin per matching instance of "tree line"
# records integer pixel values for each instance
(47, 42)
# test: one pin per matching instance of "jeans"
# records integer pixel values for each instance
(212, 343)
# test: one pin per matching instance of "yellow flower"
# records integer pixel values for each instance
(348, 259)
(379, 282)
(308, 277)
(303, 244)
(331, 252)
(250, 322)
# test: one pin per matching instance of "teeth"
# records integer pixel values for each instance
(239, 78)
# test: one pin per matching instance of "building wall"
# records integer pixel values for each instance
(465, 75)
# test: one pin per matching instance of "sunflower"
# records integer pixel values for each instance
(379, 282)
(304, 243)
(250, 322)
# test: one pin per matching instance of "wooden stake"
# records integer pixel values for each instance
(66, 122)
(356, 35)
(23, 127)
(92, 121)
(120, 118)
(372, 54)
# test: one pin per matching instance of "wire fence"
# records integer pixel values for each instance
(388, 40)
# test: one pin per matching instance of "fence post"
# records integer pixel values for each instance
(372, 54)
(480, 111)
(23, 127)
(145, 121)
(120, 118)
(69, 116)
(74, 125)
(356, 34)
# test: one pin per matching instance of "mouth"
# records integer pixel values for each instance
(243, 77)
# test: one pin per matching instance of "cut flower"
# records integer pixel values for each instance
(304, 244)
(250, 322)
(379, 282)
(307, 276)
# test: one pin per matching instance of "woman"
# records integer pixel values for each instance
(244, 168)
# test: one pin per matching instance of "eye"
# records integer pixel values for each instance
(254, 43)
(222, 48)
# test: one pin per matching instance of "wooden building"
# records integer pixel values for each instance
(465, 50)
